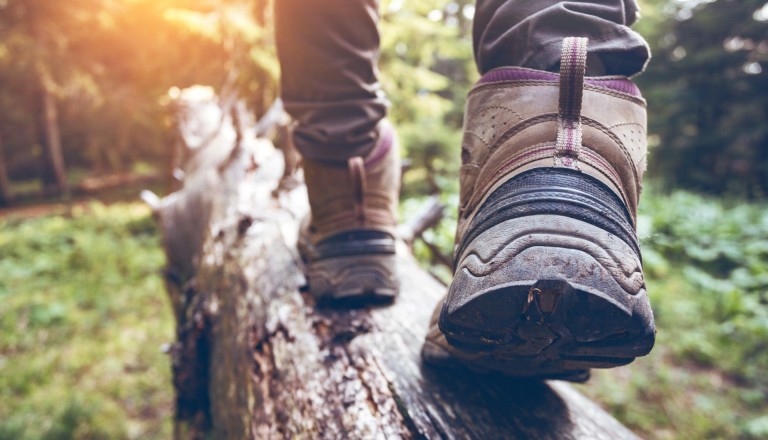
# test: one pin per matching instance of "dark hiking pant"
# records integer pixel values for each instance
(328, 51)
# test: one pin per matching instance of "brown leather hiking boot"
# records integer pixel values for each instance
(349, 240)
(548, 279)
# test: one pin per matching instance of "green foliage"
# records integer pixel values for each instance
(82, 318)
(706, 262)
(707, 96)
(721, 252)
(110, 65)
(427, 81)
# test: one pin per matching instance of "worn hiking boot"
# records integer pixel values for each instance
(548, 279)
(348, 242)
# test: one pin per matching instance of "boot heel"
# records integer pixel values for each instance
(557, 295)
(358, 277)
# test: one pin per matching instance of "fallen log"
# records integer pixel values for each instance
(257, 358)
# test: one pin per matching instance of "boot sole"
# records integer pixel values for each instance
(547, 296)
(369, 278)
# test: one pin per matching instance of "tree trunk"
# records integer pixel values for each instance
(54, 175)
(6, 196)
(53, 172)
(257, 358)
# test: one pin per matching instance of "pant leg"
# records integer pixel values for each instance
(328, 50)
(529, 33)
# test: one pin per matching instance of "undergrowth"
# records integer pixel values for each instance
(82, 317)
(706, 266)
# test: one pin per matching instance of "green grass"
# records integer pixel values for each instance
(82, 317)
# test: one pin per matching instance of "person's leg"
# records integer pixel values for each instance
(328, 51)
(548, 279)
(529, 33)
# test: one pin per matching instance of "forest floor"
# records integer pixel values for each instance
(83, 317)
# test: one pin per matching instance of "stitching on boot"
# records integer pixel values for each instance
(502, 107)
(627, 155)
(505, 169)
(515, 129)
(495, 86)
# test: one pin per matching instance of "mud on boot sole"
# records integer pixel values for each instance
(544, 295)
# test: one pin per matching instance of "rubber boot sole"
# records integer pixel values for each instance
(548, 296)
(365, 278)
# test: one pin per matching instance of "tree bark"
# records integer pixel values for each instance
(53, 171)
(6, 195)
(54, 178)
(257, 358)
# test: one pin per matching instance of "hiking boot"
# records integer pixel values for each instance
(548, 278)
(348, 242)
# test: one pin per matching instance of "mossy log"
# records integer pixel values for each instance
(256, 358)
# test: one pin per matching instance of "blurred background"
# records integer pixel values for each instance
(86, 122)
